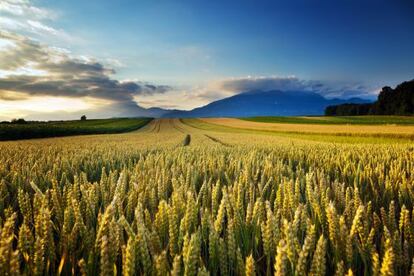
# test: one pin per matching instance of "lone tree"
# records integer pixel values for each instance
(19, 121)
(83, 118)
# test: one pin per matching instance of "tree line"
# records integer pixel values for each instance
(398, 101)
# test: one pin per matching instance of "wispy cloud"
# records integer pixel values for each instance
(23, 16)
(25, 8)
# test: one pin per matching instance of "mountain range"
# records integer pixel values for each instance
(258, 103)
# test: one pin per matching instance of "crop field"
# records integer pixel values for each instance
(31, 130)
(335, 120)
(210, 197)
(324, 131)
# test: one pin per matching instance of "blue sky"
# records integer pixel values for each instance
(194, 46)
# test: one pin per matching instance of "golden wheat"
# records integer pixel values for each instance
(141, 203)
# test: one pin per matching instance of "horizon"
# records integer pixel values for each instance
(59, 60)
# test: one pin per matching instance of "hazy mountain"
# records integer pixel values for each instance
(265, 103)
(157, 112)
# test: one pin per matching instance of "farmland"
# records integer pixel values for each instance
(346, 130)
(30, 130)
(211, 196)
(354, 134)
(335, 120)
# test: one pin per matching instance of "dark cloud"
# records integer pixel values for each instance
(64, 76)
(329, 90)
(262, 83)
(77, 68)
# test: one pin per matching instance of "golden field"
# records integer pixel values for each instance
(343, 129)
(203, 197)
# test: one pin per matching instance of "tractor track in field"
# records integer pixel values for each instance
(158, 126)
(153, 127)
(217, 141)
(173, 123)
(214, 139)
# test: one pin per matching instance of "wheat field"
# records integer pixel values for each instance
(340, 129)
(174, 199)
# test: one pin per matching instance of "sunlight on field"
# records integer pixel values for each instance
(336, 120)
(221, 202)
(375, 130)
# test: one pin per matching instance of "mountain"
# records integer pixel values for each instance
(157, 112)
(265, 103)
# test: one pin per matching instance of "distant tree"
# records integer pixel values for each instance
(83, 118)
(331, 110)
(19, 121)
(348, 109)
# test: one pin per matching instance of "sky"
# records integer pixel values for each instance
(59, 59)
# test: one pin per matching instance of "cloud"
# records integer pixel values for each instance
(22, 16)
(183, 97)
(37, 26)
(20, 53)
(291, 83)
(261, 83)
(11, 96)
(24, 8)
(63, 75)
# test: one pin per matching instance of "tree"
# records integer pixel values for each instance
(18, 121)
(397, 101)
(83, 118)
